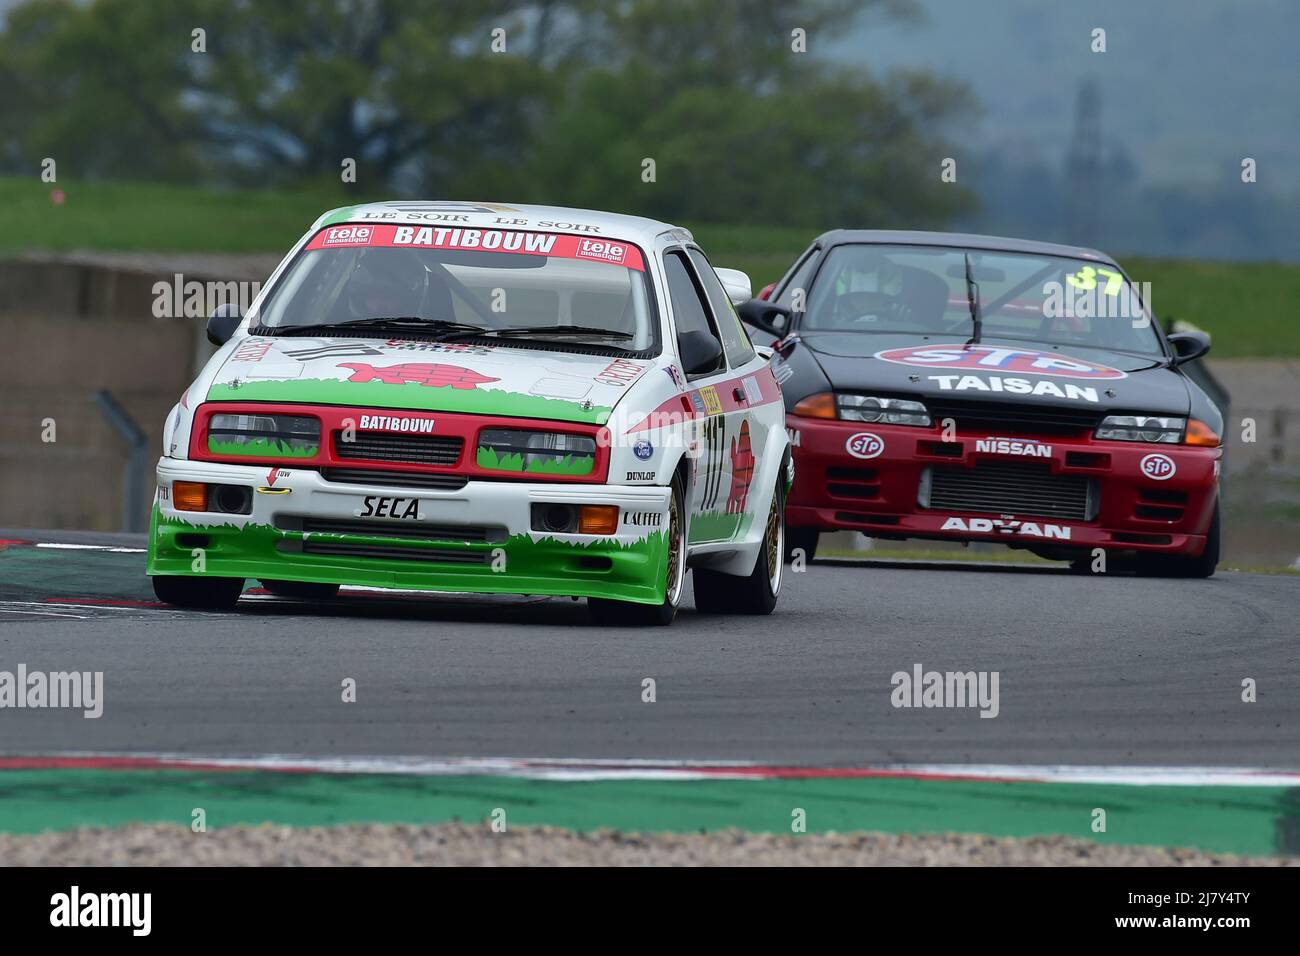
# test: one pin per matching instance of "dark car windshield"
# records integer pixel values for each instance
(362, 275)
(1053, 300)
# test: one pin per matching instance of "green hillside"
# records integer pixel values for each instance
(1247, 307)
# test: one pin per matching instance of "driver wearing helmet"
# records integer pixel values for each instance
(389, 283)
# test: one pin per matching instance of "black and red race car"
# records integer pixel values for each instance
(973, 388)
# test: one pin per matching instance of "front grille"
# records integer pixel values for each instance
(1155, 504)
(410, 530)
(1014, 418)
(392, 552)
(392, 446)
(404, 479)
(1015, 488)
(852, 482)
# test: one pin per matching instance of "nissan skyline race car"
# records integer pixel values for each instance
(980, 389)
(481, 398)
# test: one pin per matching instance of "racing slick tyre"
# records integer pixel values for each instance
(805, 538)
(1184, 566)
(718, 593)
(302, 590)
(200, 593)
(629, 614)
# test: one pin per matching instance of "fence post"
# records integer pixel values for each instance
(137, 459)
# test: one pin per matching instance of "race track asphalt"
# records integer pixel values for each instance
(1097, 670)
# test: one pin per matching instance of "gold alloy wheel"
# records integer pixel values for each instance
(774, 539)
(676, 570)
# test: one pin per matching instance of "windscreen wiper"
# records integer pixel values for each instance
(401, 322)
(973, 298)
(522, 332)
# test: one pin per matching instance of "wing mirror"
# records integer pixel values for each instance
(1189, 346)
(766, 317)
(739, 288)
(223, 322)
(699, 351)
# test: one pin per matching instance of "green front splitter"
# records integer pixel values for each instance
(1247, 820)
(605, 568)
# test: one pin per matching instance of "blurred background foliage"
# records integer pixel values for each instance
(741, 128)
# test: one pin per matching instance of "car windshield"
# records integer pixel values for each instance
(566, 288)
(1052, 300)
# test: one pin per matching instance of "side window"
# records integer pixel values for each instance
(735, 342)
(689, 311)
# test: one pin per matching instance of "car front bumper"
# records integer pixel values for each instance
(478, 538)
(892, 494)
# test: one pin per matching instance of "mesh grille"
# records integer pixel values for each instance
(1014, 417)
(391, 446)
(404, 479)
(1017, 488)
(407, 530)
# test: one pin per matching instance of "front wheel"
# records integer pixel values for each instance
(612, 613)
(199, 593)
(719, 593)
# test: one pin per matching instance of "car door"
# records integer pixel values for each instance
(747, 438)
(718, 416)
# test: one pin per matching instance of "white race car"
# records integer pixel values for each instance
(474, 397)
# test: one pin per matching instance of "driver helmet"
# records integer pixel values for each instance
(388, 283)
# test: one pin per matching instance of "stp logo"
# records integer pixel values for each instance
(994, 358)
(865, 445)
(600, 249)
(1158, 467)
(348, 236)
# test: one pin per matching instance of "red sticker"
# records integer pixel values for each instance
(346, 236)
(554, 245)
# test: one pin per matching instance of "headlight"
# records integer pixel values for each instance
(274, 436)
(1153, 428)
(552, 453)
(886, 411)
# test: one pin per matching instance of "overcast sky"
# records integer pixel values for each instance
(1188, 86)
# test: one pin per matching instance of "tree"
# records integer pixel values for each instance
(741, 125)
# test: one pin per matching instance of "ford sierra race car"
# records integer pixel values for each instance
(971, 388)
(481, 398)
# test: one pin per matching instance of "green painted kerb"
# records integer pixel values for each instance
(413, 395)
(1249, 820)
(605, 568)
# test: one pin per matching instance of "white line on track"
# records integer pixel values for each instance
(576, 769)
(5, 608)
(14, 605)
(89, 547)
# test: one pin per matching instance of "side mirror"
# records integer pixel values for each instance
(766, 317)
(699, 351)
(1189, 346)
(223, 322)
(739, 288)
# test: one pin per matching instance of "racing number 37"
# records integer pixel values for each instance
(1086, 278)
